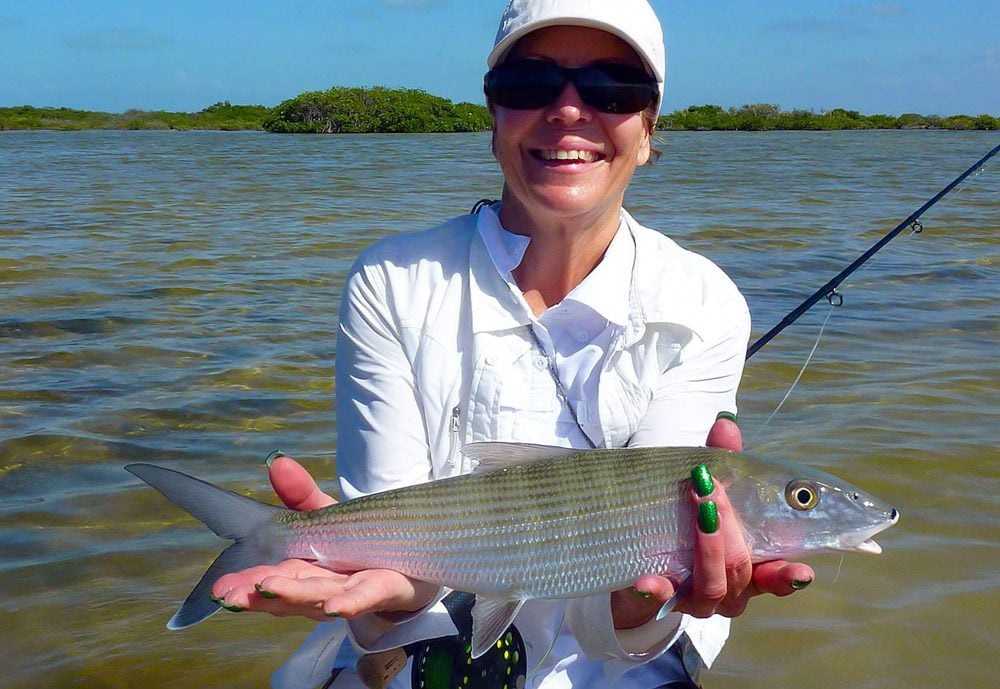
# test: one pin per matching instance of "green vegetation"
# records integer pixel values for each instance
(383, 110)
(343, 110)
(221, 116)
(766, 117)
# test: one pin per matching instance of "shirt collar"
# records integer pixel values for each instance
(505, 249)
(659, 289)
(605, 289)
(494, 254)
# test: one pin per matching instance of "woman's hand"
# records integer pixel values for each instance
(724, 579)
(299, 587)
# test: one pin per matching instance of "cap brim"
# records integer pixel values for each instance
(500, 50)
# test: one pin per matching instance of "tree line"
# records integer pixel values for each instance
(766, 117)
(342, 110)
(222, 116)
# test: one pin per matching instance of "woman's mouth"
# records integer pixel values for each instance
(572, 155)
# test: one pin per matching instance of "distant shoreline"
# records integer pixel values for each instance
(346, 110)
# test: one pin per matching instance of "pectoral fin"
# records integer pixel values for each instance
(668, 607)
(490, 619)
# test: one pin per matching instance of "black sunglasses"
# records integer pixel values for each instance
(606, 86)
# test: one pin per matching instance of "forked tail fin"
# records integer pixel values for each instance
(228, 514)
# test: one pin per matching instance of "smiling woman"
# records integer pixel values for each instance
(549, 317)
(566, 163)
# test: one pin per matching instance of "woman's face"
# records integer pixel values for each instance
(567, 161)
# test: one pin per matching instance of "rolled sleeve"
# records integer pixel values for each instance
(590, 621)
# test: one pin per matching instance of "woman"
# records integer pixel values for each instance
(551, 317)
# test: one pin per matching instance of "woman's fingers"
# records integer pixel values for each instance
(725, 434)
(295, 486)
(780, 578)
(381, 590)
(297, 587)
(722, 570)
(240, 589)
(722, 566)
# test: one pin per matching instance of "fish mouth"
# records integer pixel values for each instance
(869, 546)
(862, 541)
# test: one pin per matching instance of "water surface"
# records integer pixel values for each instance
(172, 297)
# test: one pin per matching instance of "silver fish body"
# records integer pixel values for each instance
(535, 522)
(576, 524)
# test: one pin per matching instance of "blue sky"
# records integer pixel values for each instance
(931, 56)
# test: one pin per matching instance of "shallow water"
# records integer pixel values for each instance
(172, 297)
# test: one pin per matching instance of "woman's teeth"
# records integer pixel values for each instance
(585, 156)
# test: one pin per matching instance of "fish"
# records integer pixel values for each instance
(533, 522)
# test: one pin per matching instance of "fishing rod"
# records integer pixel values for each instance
(829, 290)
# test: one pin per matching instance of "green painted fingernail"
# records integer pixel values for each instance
(332, 613)
(272, 456)
(266, 594)
(641, 594)
(708, 517)
(799, 584)
(726, 415)
(217, 601)
(702, 480)
(232, 608)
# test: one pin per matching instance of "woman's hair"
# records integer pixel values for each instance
(649, 117)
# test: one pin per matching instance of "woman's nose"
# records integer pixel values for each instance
(569, 106)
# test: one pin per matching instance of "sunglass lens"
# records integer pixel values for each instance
(524, 84)
(615, 88)
(531, 84)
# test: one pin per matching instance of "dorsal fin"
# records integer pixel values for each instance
(492, 455)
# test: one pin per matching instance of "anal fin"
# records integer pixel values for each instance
(490, 619)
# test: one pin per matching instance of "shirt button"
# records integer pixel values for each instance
(582, 336)
(541, 363)
(490, 359)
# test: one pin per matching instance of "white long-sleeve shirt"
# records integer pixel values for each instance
(438, 348)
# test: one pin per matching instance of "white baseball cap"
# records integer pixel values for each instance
(634, 21)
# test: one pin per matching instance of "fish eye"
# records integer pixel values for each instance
(801, 495)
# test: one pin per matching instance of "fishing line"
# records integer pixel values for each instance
(840, 566)
(912, 221)
(788, 394)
